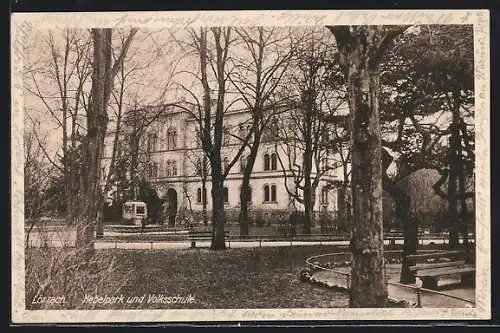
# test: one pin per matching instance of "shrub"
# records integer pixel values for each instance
(328, 223)
(295, 219)
(69, 273)
(260, 219)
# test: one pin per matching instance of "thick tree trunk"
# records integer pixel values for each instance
(361, 49)
(368, 286)
(218, 216)
(97, 120)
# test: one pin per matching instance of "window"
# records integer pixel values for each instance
(273, 161)
(266, 193)
(171, 168)
(225, 164)
(270, 194)
(226, 195)
(324, 195)
(243, 163)
(199, 167)
(201, 195)
(226, 138)
(195, 143)
(171, 138)
(153, 170)
(266, 162)
(151, 141)
(324, 164)
(244, 131)
(174, 168)
(249, 129)
(103, 174)
(273, 193)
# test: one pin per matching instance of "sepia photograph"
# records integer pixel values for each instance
(293, 165)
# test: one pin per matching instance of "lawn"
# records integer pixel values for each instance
(236, 278)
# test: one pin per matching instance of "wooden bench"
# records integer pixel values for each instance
(194, 236)
(430, 273)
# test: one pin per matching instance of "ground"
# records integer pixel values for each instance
(236, 278)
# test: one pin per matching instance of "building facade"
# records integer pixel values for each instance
(175, 160)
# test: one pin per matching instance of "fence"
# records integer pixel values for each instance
(337, 267)
(63, 237)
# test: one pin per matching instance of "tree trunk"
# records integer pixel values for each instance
(368, 286)
(97, 121)
(341, 207)
(218, 216)
(410, 234)
(134, 164)
(245, 185)
(308, 205)
(204, 200)
(454, 163)
(243, 216)
(361, 49)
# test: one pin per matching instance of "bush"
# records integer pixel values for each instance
(296, 219)
(328, 223)
(260, 220)
(67, 275)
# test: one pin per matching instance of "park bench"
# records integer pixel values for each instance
(393, 236)
(430, 273)
(194, 236)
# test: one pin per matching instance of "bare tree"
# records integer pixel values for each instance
(318, 92)
(60, 83)
(104, 71)
(38, 176)
(257, 81)
(132, 120)
(213, 58)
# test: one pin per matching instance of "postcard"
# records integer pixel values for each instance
(233, 166)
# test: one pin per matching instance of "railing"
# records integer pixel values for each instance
(338, 267)
(57, 237)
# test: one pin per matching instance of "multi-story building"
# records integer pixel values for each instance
(175, 155)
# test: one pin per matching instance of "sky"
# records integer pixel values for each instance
(159, 68)
(158, 63)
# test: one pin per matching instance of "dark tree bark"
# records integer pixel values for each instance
(399, 193)
(218, 215)
(361, 49)
(455, 165)
(245, 185)
(103, 73)
(204, 174)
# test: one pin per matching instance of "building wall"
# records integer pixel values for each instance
(187, 150)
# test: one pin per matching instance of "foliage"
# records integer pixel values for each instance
(154, 203)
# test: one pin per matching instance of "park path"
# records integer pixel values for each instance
(67, 238)
(107, 244)
(456, 297)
